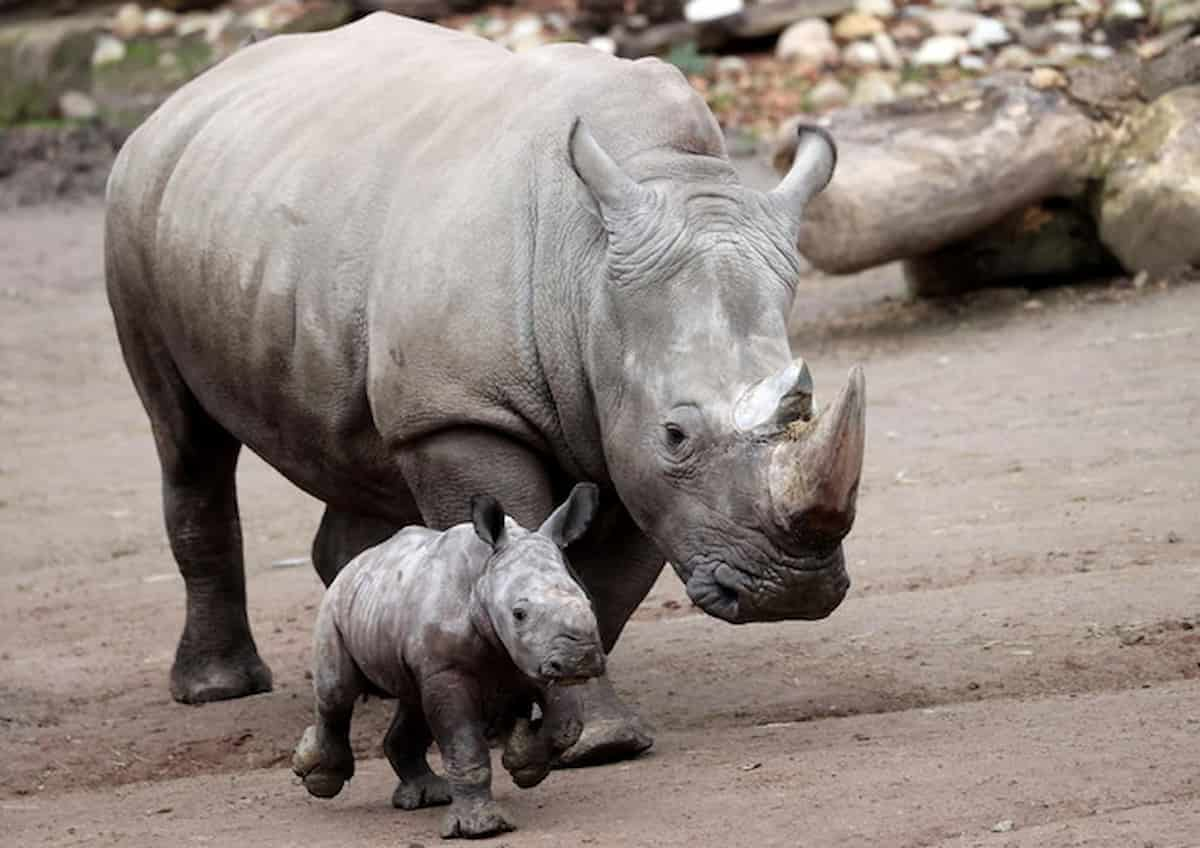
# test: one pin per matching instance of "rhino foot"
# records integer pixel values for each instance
(198, 678)
(429, 790)
(475, 820)
(323, 770)
(607, 741)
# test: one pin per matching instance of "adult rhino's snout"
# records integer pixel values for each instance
(815, 470)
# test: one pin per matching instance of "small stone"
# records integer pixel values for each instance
(77, 106)
(1003, 826)
(969, 62)
(1068, 28)
(128, 21)
(827, 94)
(168, 60)
(809, 41)
(876, 8)
(218, 22)
(108, 49)
(1014, 58)
(700, 11)
(909, 32)
(951, 21)
(988, 32)
(855, 25)
(1099, 52)
(1173, 538)
(1065, 53)
(913, 89)
(873, 88)
(191, 24)
(889, 54)
(861, 54)
(158, 22)
(732, 66)
(940, 50)
(604, 44)
(1125, 10)
(1047, 78)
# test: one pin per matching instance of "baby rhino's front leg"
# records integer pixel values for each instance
(454, 710)
(323, 758)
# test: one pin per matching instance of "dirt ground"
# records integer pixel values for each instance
(1018, 663)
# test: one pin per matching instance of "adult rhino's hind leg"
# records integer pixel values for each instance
(216, 658)
(344, 535)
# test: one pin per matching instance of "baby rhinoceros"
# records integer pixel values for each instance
(466, 629)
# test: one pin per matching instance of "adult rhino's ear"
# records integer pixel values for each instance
(488, 517)
(812, 169)
(612, 190)
(571, 519)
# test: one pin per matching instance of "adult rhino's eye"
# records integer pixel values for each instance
(519, 614)
(675, 436)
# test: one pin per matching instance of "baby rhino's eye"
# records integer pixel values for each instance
(519, 614)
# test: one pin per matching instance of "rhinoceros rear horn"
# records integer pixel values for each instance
(612, 189)
(811, 171)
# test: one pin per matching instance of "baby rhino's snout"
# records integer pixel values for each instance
(573, 658)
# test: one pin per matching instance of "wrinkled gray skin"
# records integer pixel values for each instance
(465, 628)
(404, 265)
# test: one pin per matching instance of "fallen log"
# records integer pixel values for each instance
(928, 179)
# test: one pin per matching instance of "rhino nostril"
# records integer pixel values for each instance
(553, 668)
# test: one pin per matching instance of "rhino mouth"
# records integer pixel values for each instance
(730, 594)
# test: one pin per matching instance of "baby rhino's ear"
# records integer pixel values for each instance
(571, 520)
(488, 517)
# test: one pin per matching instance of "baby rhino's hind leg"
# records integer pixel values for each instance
(406, 744)
(324, 758)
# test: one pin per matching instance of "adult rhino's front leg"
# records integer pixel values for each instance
(618, 565)
(616, 562)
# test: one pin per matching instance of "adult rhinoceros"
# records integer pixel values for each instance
(405, 266)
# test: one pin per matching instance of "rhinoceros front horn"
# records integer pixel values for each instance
(816, 466)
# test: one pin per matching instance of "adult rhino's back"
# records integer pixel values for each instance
(314, 227)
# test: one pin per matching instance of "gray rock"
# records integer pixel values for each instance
(128, 21)
(940, 50)
(158, 22)
(809, 41)
(971, 62)
(703, 11)
(827, 94)
(108, 49)
(1150, 209)
(912, 90)
(988, 32)
(1014, 58)
(1129, 10)
(768, 18)
(77, 106)
(889, 53)
(951, 21)
(732, 66)
(855, 25)
(1068, 28)
(861, 54)
(873, 88)
(876, 8)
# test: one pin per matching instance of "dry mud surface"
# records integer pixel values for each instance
(1018, 663)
